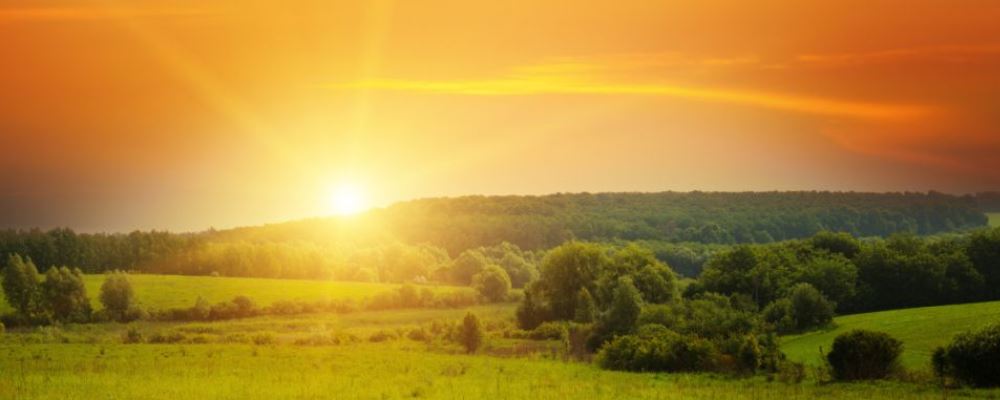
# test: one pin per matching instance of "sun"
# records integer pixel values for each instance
(347, 199)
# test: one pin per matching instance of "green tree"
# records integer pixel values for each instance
(837, 243)
(566, 269)
(836, 277)
(472, 333)
(65, 295)
(21, 285)
(810, 307)
(467, 265)
(532, 311)
(117, 295)
(621, 317)
(493, 283)
(586, 309)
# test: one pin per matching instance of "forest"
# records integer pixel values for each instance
(415, 239)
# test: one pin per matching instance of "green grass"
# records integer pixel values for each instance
(920, 329)
(90, 361)
(169, 291)
(397, 370)
(994, 219)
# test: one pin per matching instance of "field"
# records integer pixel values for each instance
(48, 363)
(994, 219)
(169, 291)
(920, 329)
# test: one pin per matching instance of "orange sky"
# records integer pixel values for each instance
(181, 115)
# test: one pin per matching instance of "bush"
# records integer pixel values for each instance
(172, 337)
(791, 372)
(262, 339)
(382, 336)
(472, 333)
(972, 358)
(493, 283)
(117, 296)
(806, 308)
(861, 354)
(132, 335)
(549, 331)
(655, 348)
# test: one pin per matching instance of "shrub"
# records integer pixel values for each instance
(973, 357)
(861, 354)
(791, 372)
(420, 335)
(655, 348)
(472, 333)
(172, 337)
(263, 338)
(20, 285)
(382, 336)
(117, 296)
(549, 331)
(132, 335)
(493, 283)
(805, 308)
(65, 296)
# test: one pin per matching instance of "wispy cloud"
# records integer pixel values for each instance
(585, 80)
(38, 14)
(949, 53)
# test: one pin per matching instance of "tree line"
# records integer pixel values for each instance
(420, 238)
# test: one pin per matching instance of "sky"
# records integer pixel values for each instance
(185, 115)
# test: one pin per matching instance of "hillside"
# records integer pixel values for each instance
(174, 291)
(920, 329)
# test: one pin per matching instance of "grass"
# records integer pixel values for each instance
(91, 361)
(397, 370)
(994, 219)
(169, 291)
(920, 329)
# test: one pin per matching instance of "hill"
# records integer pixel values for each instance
(920, 329)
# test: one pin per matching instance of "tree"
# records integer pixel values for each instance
(65, 295)
(21, 284)
(586, 309)
(809, 306)
(520, 270)
(467, 265)
(836, 277)
(654, 279)
(621, 317)
(117, 295)
(472, 333)
(531, 312)
(566, 269)
(493, 283)
(837, 243)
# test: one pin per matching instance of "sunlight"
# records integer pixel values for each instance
(347, 199)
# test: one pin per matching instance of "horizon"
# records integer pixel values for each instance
(184, 115)
(367, 211)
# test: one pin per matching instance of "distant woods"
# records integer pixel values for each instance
(452, 240)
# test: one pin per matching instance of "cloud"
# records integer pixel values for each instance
(94, 13)
(584, 79)
(949, 53)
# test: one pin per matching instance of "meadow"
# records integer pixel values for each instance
(210, 362)
(920, 329)
(994, 218)
(174, 291)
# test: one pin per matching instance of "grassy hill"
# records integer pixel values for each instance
(920, 329)
(994, 218)
(168, 291)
